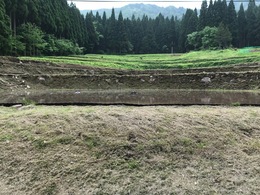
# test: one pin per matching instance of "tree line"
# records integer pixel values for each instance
(47, 27)
(41, 27)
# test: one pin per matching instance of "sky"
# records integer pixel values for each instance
(109, 5)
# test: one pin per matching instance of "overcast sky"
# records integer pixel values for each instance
(110, 5)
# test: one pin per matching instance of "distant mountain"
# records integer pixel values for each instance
(140, 9)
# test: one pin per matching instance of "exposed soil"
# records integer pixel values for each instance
(130, 150)
(20, 75)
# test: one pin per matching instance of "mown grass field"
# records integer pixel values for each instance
(129, 150)
(159, 61)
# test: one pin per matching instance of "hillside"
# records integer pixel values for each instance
(142, 9)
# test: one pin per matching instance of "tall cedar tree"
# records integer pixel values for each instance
(112, 33)
(11, 9)
(203, 16)
(102, 47)
(189, 24)
(149, 44)
(210, 15)
(92, 33)
(161, 33)
(232, 22)
(251, 22)
(172, 35)
(242, 27)
(136, 34)
(223, 36)
(123, 43)
(218, 13)
(257, 27)
(5, 31)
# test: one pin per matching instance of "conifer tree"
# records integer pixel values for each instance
(218, 13)
(223, 36)
(137, 34)
(203, 15)
(224, 12)
(112, 32)
(22, 12)
(161, 33)
(33, 12)
(123, 43)
(92, 33)
(5, 31)
(210, 15)
(11, 10)
(149, 44)
(257, 26)
(251, 21)
(188, 25)
(242, 27)
(232, 22)
(103, 28)
(171, 34)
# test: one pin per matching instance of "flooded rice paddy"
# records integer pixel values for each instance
(131, 97)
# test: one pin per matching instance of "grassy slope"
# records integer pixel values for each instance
(130, 150)
(159, 61)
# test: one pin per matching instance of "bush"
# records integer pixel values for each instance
(61, 47)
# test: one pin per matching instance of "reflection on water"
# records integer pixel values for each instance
(133, 97)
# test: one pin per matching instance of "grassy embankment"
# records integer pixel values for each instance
(129, 150)
(159, 61)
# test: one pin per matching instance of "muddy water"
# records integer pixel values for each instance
(132, 97)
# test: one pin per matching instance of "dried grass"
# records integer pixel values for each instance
(130, 150)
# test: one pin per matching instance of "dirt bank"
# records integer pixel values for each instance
(130, 150)
(20, 75)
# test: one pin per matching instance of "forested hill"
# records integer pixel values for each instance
(138, 10)
(48, 27)
(34, 27)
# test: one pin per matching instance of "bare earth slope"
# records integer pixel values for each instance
(130, 150)
(19, 75)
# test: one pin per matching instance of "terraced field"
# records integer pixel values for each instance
(79, 79)
(159, 61)
(119, 149)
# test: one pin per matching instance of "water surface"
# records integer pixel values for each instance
(132, 97)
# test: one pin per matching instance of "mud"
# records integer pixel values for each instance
(132, 97)
(22, 76)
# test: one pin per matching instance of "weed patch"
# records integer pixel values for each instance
(40, 143)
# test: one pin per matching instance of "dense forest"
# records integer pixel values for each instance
(47, 27)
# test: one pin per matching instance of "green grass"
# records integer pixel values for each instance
(158, 61)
